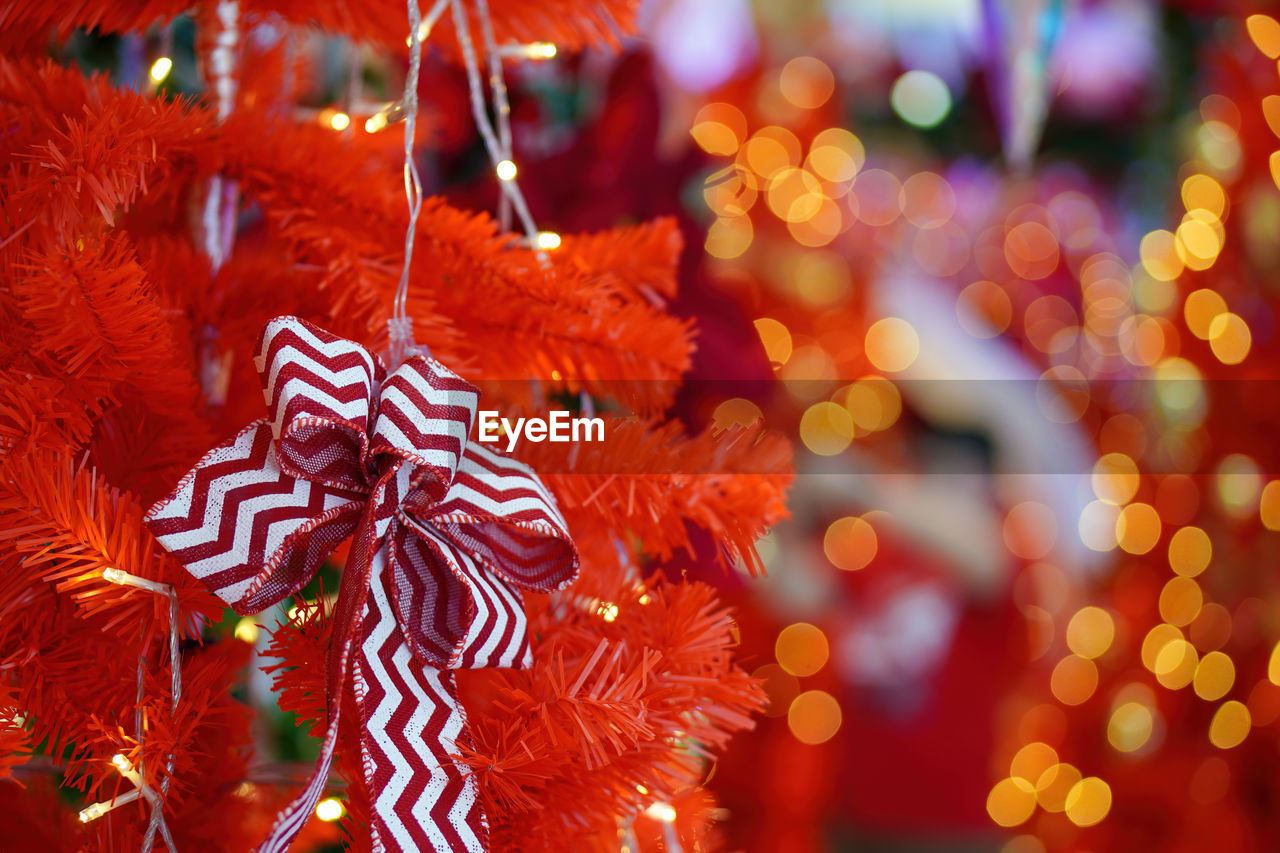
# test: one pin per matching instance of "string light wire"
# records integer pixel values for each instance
(400, 326)
(492, 143)
(134, 775)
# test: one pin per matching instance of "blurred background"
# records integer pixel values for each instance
(1005, 271)
(1013, 267)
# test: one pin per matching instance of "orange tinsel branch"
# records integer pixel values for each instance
(88, 306)
(650, 479)
(79, 149)
(642, 258)
(482, 302)
(24, 22)
(620, 707)
(572, 24)
(60, 524)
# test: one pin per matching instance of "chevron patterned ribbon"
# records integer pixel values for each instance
(447, 534)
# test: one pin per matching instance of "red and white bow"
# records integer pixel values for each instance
(447, 534)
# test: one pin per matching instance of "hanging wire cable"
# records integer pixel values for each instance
(400, 326)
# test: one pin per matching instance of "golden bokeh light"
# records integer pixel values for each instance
(794, 195)
(1088, 802)
(1157, 638)
(1200, 309)
(732, 191)
(776, 340)
(1031, 762)
(1199, 239)
(1011, 802)
(892, 344)
(1054, 785)
(1273, 665)
(836, 155)
(826, 428)
(814, 225)
(1180, 389)
(1271, 112)
(1073, 680)
(814, 717)
(329, 809)
(1269, 505)
(1175, 664)
(719, 129)
(874, 403)
(1218, 144)
(1230, 725)
(1205, 193)
(766, 154)
(984, 309)
(1090, 632)
(247, 630)
(1190, 551)
(850, 543)
(1031, 250)
(737, 411)
(1239, 484)
(1115, 479)
(715, 138)
(729, 237)
(1215, 675)
(1159, 254)
(1180, 601)
(801, 649)
(1130, 727)
(807, 82)
(1230, 338)
(1265, 32)
(1138, 528)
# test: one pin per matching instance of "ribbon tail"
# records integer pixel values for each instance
(368, 557)
(411, 721)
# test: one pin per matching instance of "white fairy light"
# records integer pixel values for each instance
(125, 579)
(329, 809)
(96, 810)
(160, 68)
(497, 143)
(663, 812)
(538, 50)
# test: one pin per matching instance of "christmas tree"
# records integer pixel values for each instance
(155, 220)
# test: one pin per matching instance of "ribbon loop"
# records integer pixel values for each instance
(320, 391)
(424, 415)
(251, 532)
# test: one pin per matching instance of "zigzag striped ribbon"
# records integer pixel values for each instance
(446, 536)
